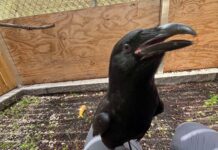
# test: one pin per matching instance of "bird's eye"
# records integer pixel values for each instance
(127, 47)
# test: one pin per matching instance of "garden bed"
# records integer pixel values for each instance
(51, 121)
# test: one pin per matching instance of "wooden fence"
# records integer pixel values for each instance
(80, 44)
(7, 80)
(202, 15)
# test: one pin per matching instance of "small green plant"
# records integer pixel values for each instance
(65, 147)
(213, 118)
(74, 94)
(212, 101)
(30, 142)
(28, 146)
(16, 111)
(6, 145)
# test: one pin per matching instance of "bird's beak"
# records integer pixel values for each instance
(157, 45)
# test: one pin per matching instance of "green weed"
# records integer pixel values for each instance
(212, 101)
(16, 111)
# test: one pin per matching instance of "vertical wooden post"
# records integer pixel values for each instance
(8, 74)
(94, 3)
(164, 15)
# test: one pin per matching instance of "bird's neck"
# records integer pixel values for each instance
(128, 89)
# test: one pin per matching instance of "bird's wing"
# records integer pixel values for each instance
(101, 120)
(101, 123)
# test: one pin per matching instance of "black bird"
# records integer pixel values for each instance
(132, 99)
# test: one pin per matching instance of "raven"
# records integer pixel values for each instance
(132, 98)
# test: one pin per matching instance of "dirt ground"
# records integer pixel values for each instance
(51, 121)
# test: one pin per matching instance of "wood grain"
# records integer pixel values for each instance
(80, 44)
(202, 15)
(7, 80)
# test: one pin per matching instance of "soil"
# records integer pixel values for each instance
(51, 121)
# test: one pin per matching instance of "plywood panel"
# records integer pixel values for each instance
(80, 44)
(7, 80)
(203, 16)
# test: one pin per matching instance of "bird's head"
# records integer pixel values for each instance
(140, 52)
